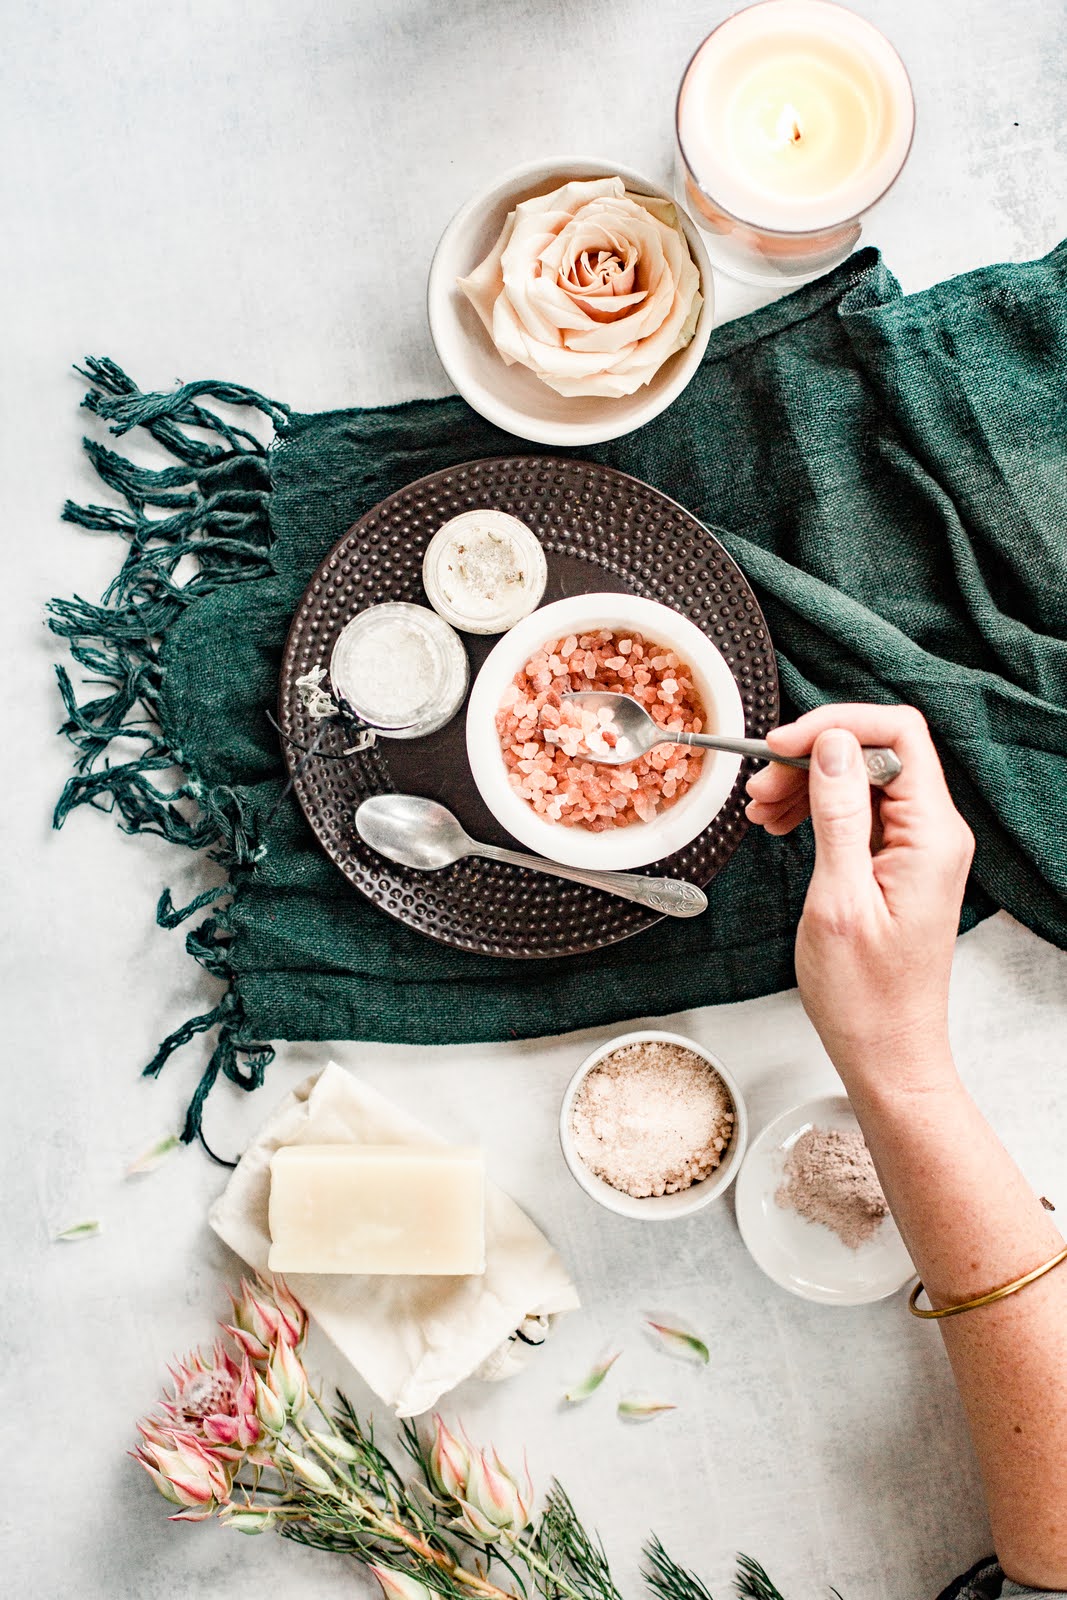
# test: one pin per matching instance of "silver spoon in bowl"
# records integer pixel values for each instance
(637, 733)
(420, 833)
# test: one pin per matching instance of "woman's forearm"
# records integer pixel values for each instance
(972, 1223)
(873, 958)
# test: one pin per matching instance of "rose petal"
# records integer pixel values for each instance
(664, 211)
(483, 286)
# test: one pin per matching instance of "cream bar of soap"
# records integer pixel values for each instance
(396, 1209)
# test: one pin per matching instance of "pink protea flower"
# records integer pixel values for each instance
(267, 1314)
(214, 1401)
(184, 1470)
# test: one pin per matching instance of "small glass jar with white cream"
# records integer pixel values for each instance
(484, 571)
(793, 118)
(400, 669)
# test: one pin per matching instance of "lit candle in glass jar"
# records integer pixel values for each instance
(793, 118)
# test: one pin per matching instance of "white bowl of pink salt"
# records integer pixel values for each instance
(525, 742)
(653, 1126)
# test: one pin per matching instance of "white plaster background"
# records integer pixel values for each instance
(253, 191)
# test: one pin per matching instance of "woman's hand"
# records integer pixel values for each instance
(874, 950)
(874, 947)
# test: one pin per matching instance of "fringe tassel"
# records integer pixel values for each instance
(214, 506)
(117, 399)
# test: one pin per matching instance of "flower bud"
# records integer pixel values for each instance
(309, 1472)
(184, 1470)
(399, 1585)
(448, 1462)
(334, 1446)
(495, 1505)
(266, 1315)
(269, 1407)
(288, 1378)
(248, 1519)
(292, 1318)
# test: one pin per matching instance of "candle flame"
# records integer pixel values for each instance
(788, 129)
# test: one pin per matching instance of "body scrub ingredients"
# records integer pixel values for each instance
(401, 669)
(541, 737)
(829, 1177)
(484, 571)
(652, 1118)
(389, 1209)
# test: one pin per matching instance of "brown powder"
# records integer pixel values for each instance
(652, 1118)
(829, 1177)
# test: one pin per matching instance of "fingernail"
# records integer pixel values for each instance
(834, 753)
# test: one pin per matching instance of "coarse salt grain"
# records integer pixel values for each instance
(536, 726)
(652, 1118)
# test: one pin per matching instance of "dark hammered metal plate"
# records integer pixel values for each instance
(601, 530)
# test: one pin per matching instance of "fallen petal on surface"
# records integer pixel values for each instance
(592, 1380)
(150, 1159)
(679, 1342)
(78, 1230)
(643, 1408)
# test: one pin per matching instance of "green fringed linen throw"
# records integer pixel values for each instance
(888, 471)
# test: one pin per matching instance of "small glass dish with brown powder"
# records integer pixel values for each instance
(653, 1126)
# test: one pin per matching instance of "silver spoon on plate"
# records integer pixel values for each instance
(420, 833)
(636, 733)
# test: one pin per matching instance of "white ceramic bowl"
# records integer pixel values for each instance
(655, 1207)
(641, 842)
(512, 397)
(804, 1257)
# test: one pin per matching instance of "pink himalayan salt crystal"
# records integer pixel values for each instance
(541, 737)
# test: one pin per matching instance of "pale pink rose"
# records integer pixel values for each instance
(590, 287)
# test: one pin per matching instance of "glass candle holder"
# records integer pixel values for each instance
(793, 118)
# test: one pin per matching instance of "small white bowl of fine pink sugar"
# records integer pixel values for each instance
(523, 747)
(653, 1126)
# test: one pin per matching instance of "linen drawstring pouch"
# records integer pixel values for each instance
(890, 472)
(411, 1339)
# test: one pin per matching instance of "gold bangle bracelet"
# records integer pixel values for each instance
(983, 1299)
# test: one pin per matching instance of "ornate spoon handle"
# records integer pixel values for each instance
(882, 765)
(674, 897)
